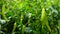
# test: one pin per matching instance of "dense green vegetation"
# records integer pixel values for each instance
(29, 16)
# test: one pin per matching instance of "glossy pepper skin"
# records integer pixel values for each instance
(44, 19)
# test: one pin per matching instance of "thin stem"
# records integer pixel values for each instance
(3, 9)
(14, 27)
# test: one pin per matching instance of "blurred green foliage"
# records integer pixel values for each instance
(30, 16)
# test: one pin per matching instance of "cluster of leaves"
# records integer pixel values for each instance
(30, 16)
